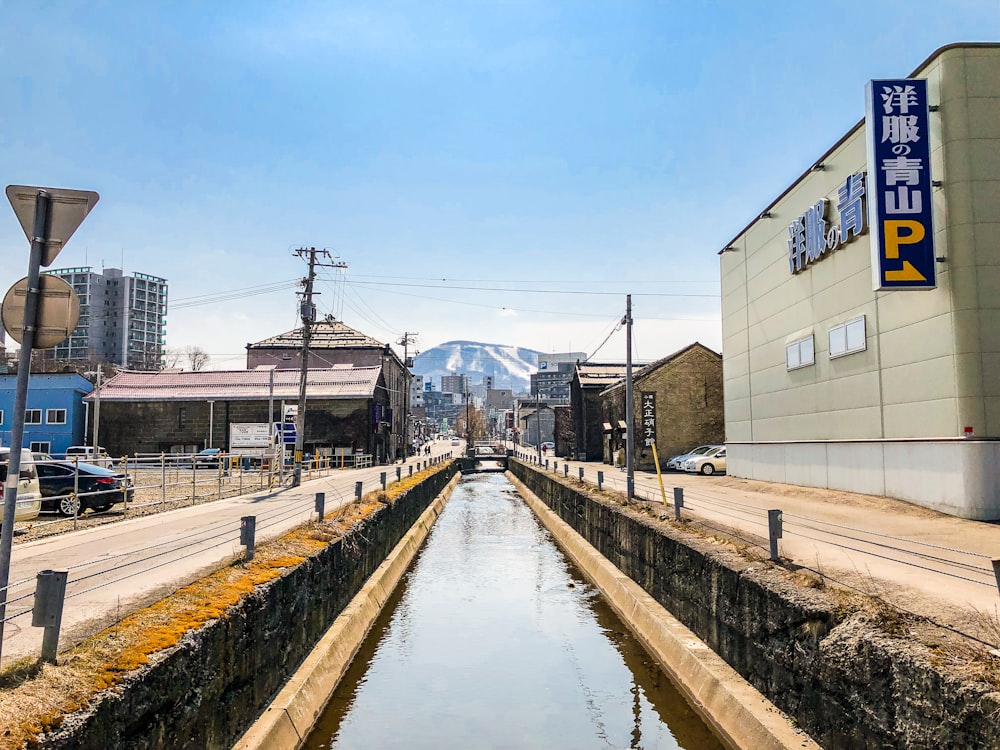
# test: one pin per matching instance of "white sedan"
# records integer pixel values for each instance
(676, 463)
(708, 463)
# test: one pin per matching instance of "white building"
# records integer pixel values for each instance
(862, 344)
(416, 391)
(122, 318)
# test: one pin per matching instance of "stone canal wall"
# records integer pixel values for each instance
(203, 694)
(845, 681)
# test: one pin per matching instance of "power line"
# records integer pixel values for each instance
(526, 291)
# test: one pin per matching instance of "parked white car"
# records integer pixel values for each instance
(677, 462)
(710, 463)
(29, 495)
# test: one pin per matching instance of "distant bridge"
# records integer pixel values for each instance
(484, 456)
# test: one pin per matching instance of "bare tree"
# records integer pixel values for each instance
(197, 357)
(172, 357)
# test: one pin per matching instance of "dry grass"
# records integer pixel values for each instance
(35, 699)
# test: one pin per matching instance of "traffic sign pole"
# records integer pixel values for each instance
(38, 241)
(57, 214)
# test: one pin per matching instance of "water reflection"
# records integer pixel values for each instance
(494, 640)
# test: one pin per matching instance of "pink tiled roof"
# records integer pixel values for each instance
(238, 385)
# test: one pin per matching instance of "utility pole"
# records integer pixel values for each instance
(407, 339)
(307, 312)
(629, 408)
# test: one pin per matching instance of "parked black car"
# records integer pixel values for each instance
(208, 458)
(57, 481)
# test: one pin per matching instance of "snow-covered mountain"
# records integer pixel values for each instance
(510, 366)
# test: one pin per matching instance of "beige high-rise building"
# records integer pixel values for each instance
(862, 342)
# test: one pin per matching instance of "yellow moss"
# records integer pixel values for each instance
(102, 661)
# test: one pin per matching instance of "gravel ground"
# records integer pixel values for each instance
(147, 500)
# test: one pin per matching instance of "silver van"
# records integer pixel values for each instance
(29, 495)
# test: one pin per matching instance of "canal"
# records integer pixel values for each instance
(494, 640)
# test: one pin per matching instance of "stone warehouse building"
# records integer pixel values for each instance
(677, 403)
(589, 380)
(175, 411)
(333, 343)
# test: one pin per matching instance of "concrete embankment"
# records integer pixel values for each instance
(843, 676)
(293, 712)
(740, 715)
(203, 693)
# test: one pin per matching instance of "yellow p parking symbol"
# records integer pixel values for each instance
(894, 237)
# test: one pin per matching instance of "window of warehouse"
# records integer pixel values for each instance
(848, 338)
(800, 353)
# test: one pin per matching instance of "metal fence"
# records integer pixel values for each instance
(763, 528)
(157, 474)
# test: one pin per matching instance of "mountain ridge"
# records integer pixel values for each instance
(511, 366)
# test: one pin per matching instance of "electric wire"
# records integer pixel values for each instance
(575, 292)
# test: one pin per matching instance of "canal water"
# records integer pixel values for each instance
(494, 640)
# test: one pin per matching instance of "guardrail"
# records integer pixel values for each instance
(34, 595)
(751, 525)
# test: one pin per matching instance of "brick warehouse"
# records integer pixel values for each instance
(172, 411)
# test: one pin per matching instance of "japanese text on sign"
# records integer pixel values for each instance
(812, 235)
(899, 207)
(647, 409)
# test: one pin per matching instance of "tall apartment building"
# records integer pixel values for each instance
(122, 318)
(454, 383)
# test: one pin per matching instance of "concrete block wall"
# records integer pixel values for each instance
(204, 693)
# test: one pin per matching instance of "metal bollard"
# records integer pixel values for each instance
(357, 490)
(678, 502)
(581, 473)
(399, 473)
(50, 593)
(546, 464)
(600, 480)
(248, 530)
(774, 531)
(566, 470)
(381, 478)
(411, 470)
(555, 466)
(321, 505)
(996, 572)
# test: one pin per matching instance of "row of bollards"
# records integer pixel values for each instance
(50, 585)
(774, 520)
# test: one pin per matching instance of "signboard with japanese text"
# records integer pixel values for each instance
(647, 411)
(899, 184)
(249, 435)
(814, 234)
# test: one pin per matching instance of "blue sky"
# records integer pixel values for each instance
(484, 169)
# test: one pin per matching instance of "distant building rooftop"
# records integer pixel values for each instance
(238, 385)
(326, 334)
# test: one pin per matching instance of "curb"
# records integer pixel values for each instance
(739, 714)
(288, 719)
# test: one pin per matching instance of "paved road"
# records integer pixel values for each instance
(117, 568)
(927, 562)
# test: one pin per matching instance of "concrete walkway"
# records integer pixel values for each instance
(117, 568)
(928, 563)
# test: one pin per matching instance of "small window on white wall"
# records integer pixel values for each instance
(848, 338)
(799, 353)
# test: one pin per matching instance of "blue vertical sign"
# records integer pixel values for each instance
(899, 184)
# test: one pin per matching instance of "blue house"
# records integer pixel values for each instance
(55, 418)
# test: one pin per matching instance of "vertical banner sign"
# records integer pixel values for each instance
(647, 405)
(899, 184)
